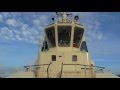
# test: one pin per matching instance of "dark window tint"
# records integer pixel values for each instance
(53, 57)
(64, 36)
(78, 33)
(74, 58)
(50, 33)
(84, 47)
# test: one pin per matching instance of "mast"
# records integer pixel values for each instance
(64, 17)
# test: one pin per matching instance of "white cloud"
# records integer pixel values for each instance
(18, 37)
(91, 24)
(93, 30)
(11, 22)
(100, 36)
(36, 22)
(83, 14)
(1, 18)
(24, 26)
(41, 21)
(29, 29)
(5, 33)
(25, 33)
(6, 14)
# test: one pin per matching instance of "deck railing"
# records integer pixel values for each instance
(97, 68)
(34, 68)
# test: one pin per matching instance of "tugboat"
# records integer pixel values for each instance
(64, 53)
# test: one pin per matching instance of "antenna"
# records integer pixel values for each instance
(64, 16)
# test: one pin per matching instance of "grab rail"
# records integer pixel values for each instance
(33, 68)
(48, 69)
(85, 67)
(61, 70)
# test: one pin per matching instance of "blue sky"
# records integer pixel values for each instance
(19, 33)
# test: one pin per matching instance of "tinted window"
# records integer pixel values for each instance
(78, 33)
(53, 57)
(64, 36)
(50, 32)
(74, 58)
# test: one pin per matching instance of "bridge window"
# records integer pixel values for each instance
(64, 36)
(78, 33)
(84, 46)
(50, 33)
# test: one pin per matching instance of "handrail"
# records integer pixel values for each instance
(48, 69)
(40, 65)
(36, 65)
(65, 64)
(81, 65)
(85, 65)
(61, 70)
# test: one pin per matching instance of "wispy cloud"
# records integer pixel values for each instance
(92, 25)
(11, 22)
(1, 18)
(27, 28)
(14, 27)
